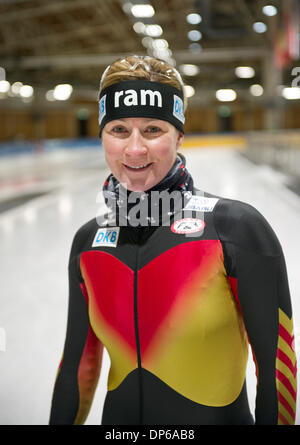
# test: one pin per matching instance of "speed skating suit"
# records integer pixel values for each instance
(177, 311)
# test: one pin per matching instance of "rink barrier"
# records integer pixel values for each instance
(220, 140)
(279, 149)
(48, 145)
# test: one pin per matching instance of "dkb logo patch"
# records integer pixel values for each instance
(106, 237)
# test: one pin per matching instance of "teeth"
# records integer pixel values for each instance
(141, 166)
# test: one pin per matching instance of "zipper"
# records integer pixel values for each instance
(136, 326)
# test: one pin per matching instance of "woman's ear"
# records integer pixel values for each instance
(180, 137)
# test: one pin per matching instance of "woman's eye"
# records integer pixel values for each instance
(119, 129)
(153, 130)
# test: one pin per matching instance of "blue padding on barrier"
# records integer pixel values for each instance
(32, 147)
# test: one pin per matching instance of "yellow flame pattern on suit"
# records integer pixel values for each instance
(204, 341)
(286, 367)
(197, 345)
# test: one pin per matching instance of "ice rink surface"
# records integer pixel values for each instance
(35, 240)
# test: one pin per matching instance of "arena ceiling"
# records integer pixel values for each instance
(46, 43)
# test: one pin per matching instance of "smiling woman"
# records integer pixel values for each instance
(174, 292)
(141, 116)
(140, 151)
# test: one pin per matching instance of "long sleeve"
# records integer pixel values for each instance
(78, 373)
(257, 274)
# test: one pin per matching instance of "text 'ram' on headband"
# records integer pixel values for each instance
(141, 98)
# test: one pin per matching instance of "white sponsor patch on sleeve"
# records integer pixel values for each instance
(201, 204)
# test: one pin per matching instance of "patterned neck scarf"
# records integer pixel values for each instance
(145, 208)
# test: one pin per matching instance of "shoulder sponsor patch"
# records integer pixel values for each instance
(107, 237)
(201, 204)
(188, 225)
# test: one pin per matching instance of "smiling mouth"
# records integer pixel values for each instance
(138, 168)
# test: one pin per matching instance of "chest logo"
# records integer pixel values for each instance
(107, 237)
(188, 225)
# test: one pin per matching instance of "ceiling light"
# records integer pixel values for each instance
(256, 90)
(26, 91)
(189, 90)
(269, 10)
(244, 72)
(2, 73)
(259, 27)
(189, 69)
(139, 27)
(195, 47)
(147, 42)
(194, 35)
(163, 54)
(142, 11)
(194, 19)
(160, 44)
(127, 7)
(153, 30)
(15, 88)
(50, 96)
(226, 95)
(62, 91)
(291, 93)
(4, 86)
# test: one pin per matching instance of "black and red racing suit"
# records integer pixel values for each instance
(176, 307)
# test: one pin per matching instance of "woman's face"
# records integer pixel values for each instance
(140, 151)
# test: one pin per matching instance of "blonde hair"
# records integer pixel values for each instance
(142, 67)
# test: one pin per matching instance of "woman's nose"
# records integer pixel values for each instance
(135, 143)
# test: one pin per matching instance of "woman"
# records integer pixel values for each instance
(174, 282)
